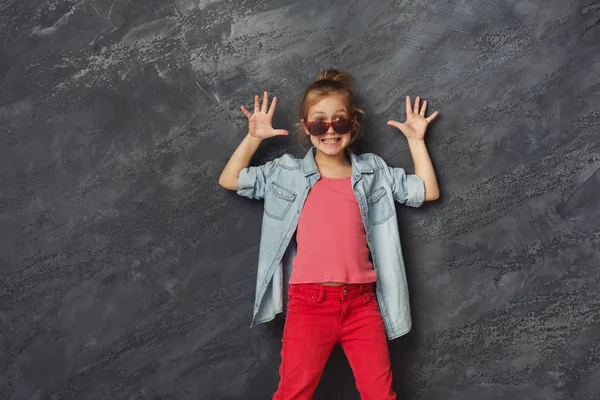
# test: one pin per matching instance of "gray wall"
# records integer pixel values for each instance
(126, 272)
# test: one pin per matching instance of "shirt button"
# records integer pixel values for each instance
(298, 211)
(266, 281)
(364, 213)
(345, 292)
(385, 314)
(256, 305)
(277, 257)
(288, 235)
(280, 193)
(307, 186)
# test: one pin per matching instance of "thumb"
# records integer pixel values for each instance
(396, 124)
(280, 132)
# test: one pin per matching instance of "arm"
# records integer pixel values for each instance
(239, 160)
(414, 129)
(424, 168)
(259, 128)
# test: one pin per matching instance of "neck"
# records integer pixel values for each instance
(338, 160)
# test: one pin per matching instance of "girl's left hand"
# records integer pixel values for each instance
(416, 123)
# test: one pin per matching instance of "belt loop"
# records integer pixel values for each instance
(363, 288)
(321, 292)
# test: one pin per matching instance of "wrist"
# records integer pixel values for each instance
(254, 138)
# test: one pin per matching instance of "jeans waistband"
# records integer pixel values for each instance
(349, 289)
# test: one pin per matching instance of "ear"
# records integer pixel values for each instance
(304, 126)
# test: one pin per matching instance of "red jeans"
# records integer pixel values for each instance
(318, 316)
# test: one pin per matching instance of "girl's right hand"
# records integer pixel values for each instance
(259, 123)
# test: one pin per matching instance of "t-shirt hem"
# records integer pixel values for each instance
(334, 280)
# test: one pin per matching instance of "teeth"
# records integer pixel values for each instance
(330, 140)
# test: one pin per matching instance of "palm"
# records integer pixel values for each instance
(259, 123)
(416, 124)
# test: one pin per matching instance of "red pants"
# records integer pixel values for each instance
(318, 316)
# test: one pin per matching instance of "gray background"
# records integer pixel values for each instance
(126, 272)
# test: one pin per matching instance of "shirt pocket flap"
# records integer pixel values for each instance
(376, 195)
(282, 192)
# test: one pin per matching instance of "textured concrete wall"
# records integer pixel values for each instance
(126, 272)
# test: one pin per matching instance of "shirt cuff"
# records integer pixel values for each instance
(416, 190)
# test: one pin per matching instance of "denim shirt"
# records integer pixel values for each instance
(285, 182)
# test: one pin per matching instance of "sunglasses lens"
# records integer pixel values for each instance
(343, 126)
(317, 128)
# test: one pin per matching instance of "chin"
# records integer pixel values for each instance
(331, 150)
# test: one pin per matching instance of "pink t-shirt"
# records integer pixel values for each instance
(332, 243)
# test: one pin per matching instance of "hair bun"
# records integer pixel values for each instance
(333, 74)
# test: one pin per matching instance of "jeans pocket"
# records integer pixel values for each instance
(369, 297)
(305, 298)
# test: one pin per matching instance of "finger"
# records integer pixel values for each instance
(417, 101)
(396, 124)
(408, 108)
(272, 107)
(432, 117)
(423, 108)
(265, 102)
(246, 112)
(281, 132)
(256, 104)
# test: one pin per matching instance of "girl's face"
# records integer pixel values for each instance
(328, 109)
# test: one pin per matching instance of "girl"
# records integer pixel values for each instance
(329, 235)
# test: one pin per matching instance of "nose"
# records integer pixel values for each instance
(330, 129)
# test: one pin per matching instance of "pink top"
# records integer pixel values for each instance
(332, 243)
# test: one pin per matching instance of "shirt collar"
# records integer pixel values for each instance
(309, 166)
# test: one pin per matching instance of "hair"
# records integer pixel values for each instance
(333, 82)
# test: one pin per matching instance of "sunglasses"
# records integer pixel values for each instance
(340, 126)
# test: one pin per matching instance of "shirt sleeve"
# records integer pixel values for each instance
(252, 181)
(408, 189)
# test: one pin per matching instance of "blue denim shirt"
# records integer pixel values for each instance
(285, 182)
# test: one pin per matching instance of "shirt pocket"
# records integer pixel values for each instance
(278, 201)
(380, 208)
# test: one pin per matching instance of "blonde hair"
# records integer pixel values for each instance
(333, 82)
